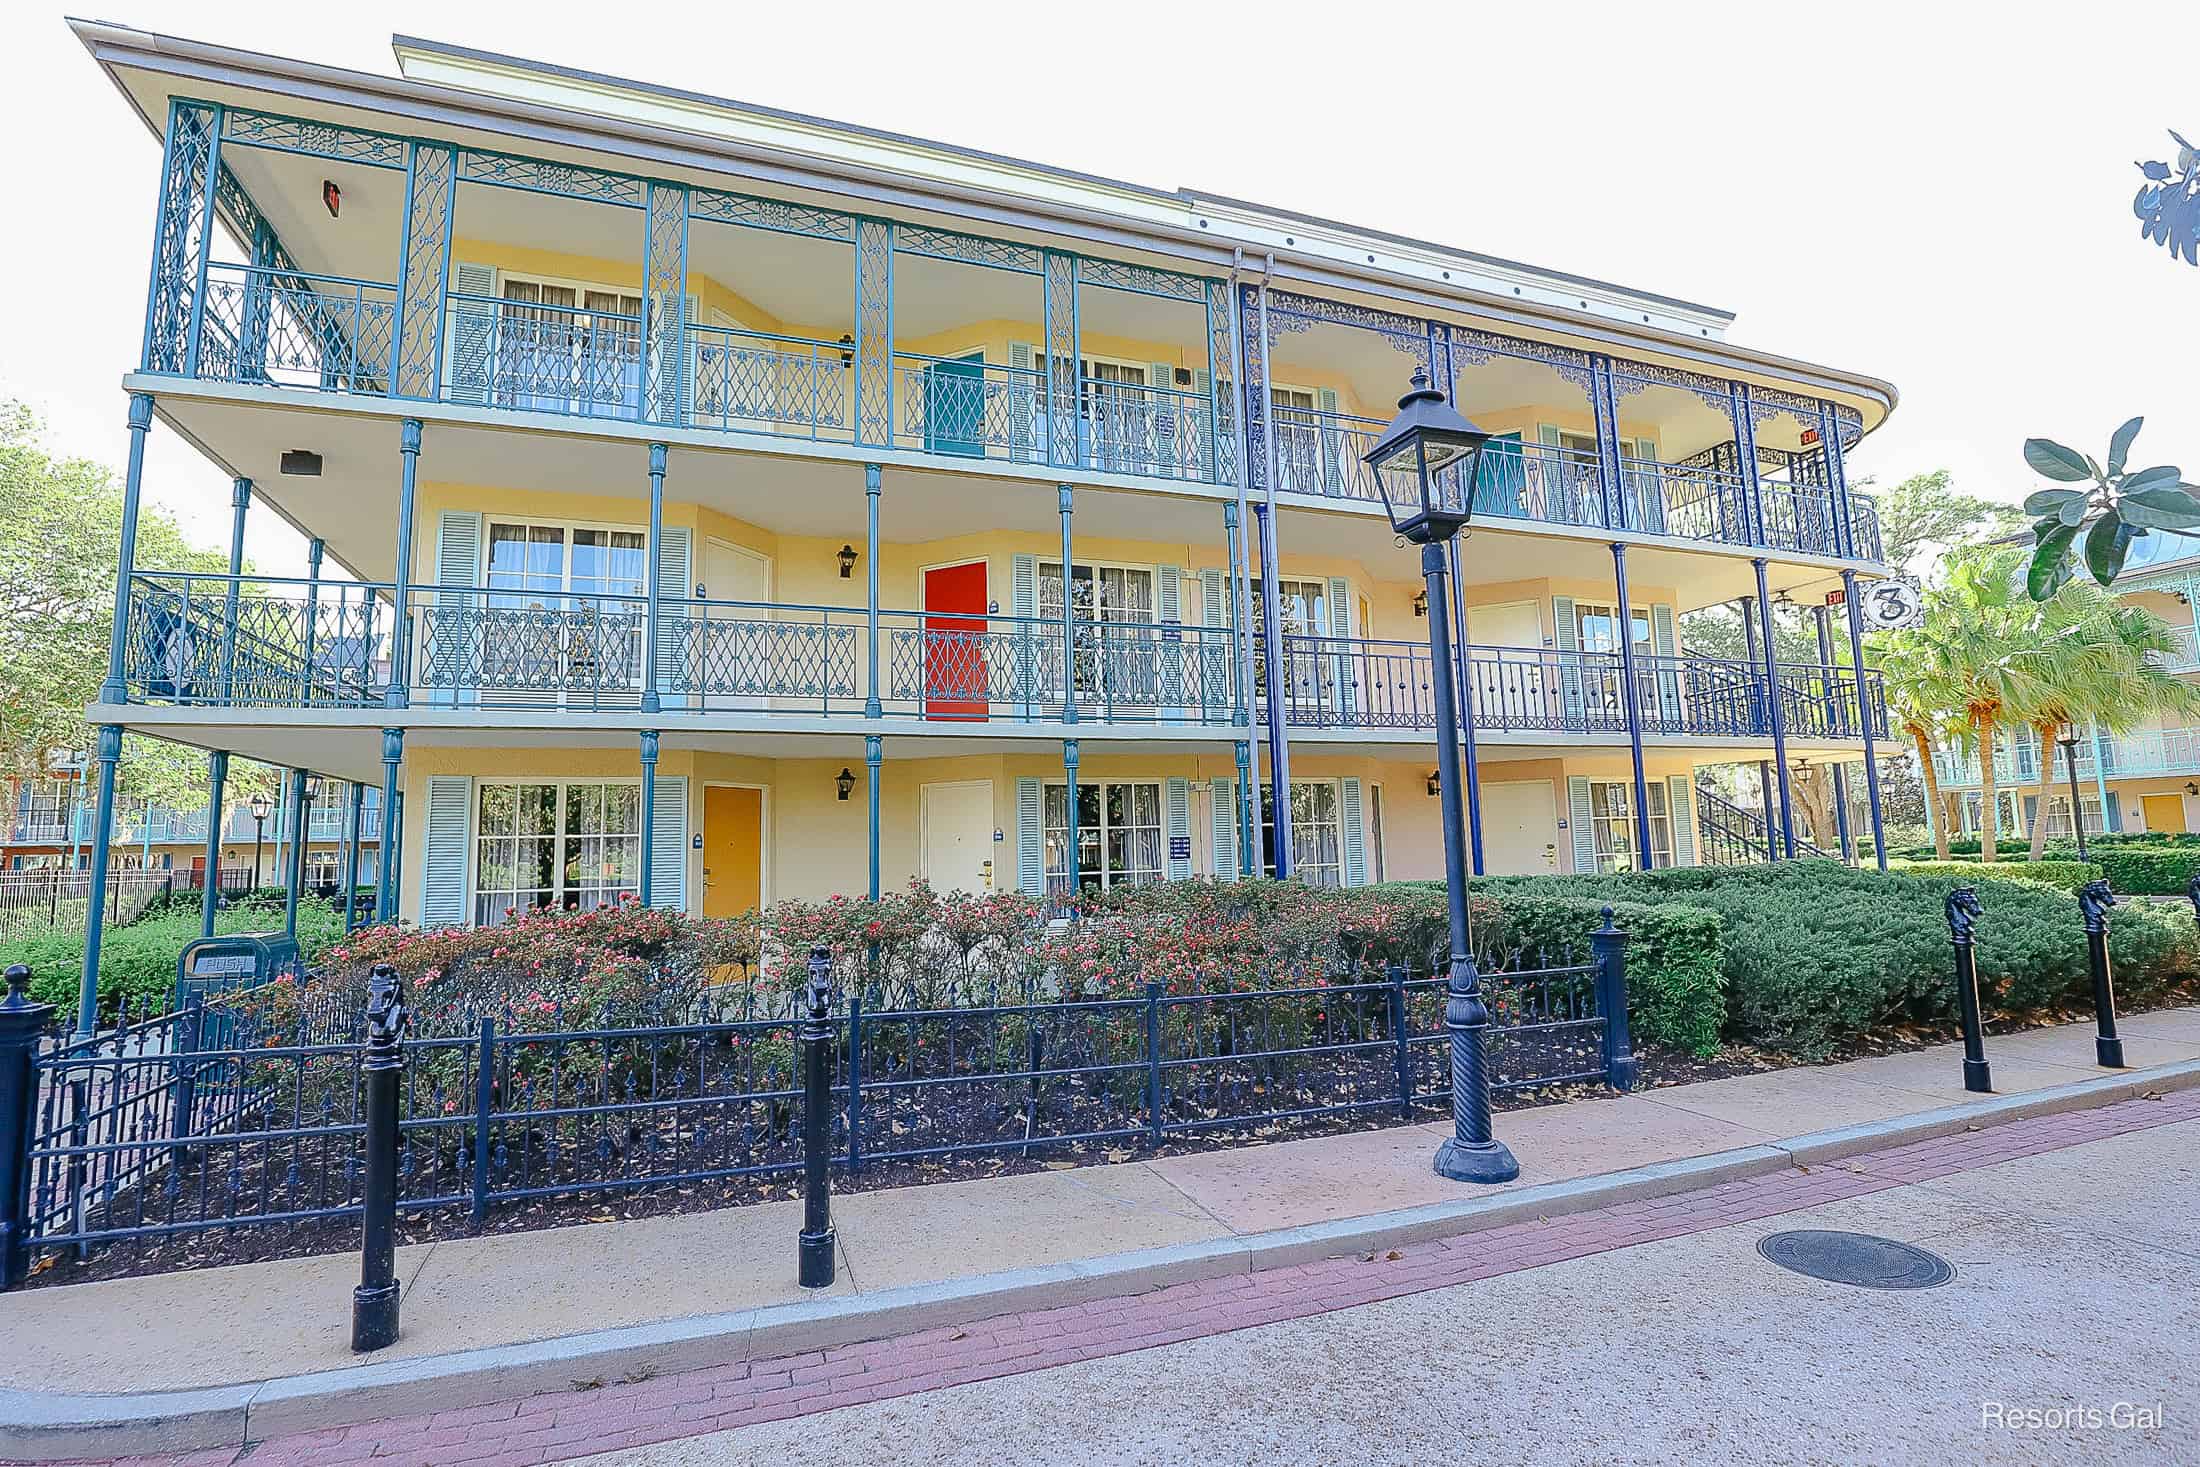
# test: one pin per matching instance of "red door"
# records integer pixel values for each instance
(954, 642)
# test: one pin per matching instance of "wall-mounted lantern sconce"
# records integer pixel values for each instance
(847, 558)
(847, 350)
(332, 197)
(1435, 783)
(1420, 603)
(2191, 788)
(844, 781)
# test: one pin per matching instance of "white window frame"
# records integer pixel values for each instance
(1053, 873)
(1623, 856)
(1263, 823)
(474, 892)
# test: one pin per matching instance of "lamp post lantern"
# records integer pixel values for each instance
(259, 834)
(2068, 738)
(1425, 465)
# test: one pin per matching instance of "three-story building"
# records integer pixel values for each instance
(735, 505)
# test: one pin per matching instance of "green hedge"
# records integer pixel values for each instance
(2064, 875)
(137, 963)
(2134, 865)
(1814, 954)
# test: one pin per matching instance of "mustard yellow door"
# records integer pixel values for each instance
(733, 850)
(2163, 812)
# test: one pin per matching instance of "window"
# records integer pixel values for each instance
(570, 607)
(570, 846)
(1596, 628)
(1612, 821)
(1108, 663)
(569, 348)
(1118, 835)
(1317, 844)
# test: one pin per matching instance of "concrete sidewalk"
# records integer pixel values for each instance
(719, 1285)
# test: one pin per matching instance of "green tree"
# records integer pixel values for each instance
(60, 537)
(1925, 517)
(1919, 696)
(2100, 660)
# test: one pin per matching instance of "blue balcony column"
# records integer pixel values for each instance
(1069, 804)
(874, 333)
(1469, 773)
(1065, 444)
(183, 230)
(385, 879)
(1837, 481)
(1248, 856)
(2100, 778)
(416, 340)
(1279, 678)
(649, 813)
(665, 390)
(1823, 618)
(874, 760)
(95, 915)
(1743, 412)
(217, 781)
(116, 689)
(654, 571)
(1755, 659)
(408, 454)
(1631, 700)
(1604, 404)
(1779, 715)
(1864, 710)
(351, 854)
(316, 552)
(1238, 657)
(1069, 616)
(873, 483)
(294, 872)
(393, 838)
(240, 501)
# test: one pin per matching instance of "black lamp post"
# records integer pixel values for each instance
(2068, 738)
(1425, 466)
(259, 833)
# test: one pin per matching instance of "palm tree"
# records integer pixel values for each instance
(1917, 697)
(1982, 650)
(2101, 661)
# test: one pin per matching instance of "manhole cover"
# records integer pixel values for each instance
(1856, 1258)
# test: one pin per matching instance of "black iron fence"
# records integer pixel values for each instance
(223, 1116)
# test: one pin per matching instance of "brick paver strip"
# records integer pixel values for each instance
(570, 1424)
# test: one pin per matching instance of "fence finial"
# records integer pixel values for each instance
(19, 986)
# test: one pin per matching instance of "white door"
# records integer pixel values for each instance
(729, 661)
(1506, 665)
(958, 835)
(1520, 828)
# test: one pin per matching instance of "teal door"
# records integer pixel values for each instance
(1502, 484)
(954, 406)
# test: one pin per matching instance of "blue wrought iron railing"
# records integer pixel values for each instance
(256, 641)
(1728, 834)
(286, 328)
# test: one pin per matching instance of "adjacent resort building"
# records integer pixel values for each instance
(718, 504)
(2145, 779)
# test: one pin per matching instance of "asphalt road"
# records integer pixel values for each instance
(2074, 1300)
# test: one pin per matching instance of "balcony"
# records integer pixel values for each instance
(2127, 756)
(1344, 682)
(208, 641)
(779, 320)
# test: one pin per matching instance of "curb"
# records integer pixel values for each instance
(54, 1426)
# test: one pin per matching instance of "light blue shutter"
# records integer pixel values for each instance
(470, 335)
(450, 636)
(1209, 436)
(1354, 833)
(668, 841)
(1168, 598)
(1332, 446)
(1032, 664)
(1664, 643)
(2112, 823)
(1224, 827)
(1216, 668)
(1031, 871)
(443, 876)
(1025, 424)
(1176, 828)
(1584, 831)
(1680, 808)
(1158, 453)
(1340, 664)
(1649, 507)
(676, 578)
(1564, 635)
(1560, 496)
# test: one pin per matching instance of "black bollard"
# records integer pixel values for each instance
(22, 1022)
(814, 1269)
(1962, 909)
(374, 1302)
(2094, 900)
(1609, 946)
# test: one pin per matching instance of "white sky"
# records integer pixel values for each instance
(1939, 199)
